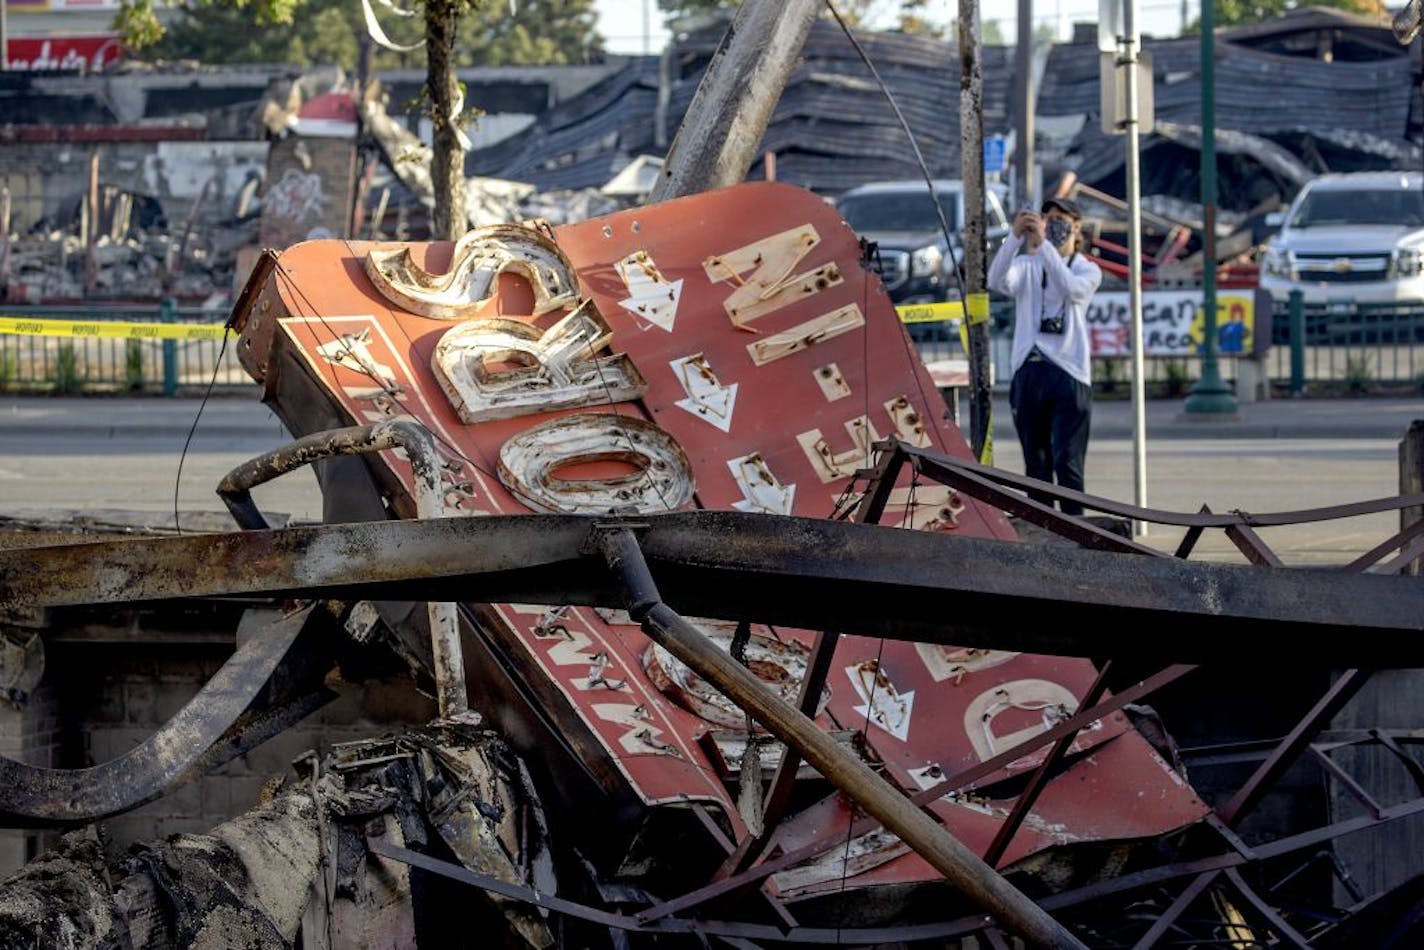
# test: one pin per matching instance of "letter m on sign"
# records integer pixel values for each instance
(762, 274)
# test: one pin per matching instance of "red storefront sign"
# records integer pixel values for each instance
(63, 53)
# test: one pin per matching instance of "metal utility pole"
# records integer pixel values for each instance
(721, 134)
(4, 36)
(1023, 103)
(1129, 43)
(1210, 394)
(976, 257)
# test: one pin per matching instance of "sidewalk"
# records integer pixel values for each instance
(1276, 419)
(104, 417)
(232, 416)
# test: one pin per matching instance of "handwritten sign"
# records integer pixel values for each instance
(1174, 323)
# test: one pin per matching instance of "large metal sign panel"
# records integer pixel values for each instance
(727, 350)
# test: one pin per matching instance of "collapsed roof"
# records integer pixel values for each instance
(833, 130)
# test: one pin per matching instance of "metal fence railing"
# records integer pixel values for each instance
(84, 357)
(1358, 345)
(1344, 347)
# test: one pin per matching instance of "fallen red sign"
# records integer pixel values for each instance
(723, 351)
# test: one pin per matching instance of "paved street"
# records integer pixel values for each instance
(1283, 455)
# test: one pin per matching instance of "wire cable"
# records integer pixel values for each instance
(914, 147)
(934, 200)
(183, 456)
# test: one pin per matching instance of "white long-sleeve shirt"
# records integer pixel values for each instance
(1043, 285)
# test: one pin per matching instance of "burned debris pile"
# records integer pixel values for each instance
(711, 708)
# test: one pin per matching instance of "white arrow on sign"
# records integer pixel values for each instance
(642, 735)
(760, 489)
(651, 296)
(707, 398)
(881, 703)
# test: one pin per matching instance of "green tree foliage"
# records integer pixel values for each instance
(1234, 12)
(322, 32)
(906, 16)
(455, 33)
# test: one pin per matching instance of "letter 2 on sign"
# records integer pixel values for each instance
(530, 463)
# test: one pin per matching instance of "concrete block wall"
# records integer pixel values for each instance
(29, 734)
(100, 700)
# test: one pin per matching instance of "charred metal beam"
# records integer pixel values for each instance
(231, 713)
(236, 492)
(962, 779)
(1162, 924)
(1024, 803)
(868, 510)
(960, 866)
(1286, 935)
(799, 572)
(1204, 518)
(1291, 747)
(726, 929)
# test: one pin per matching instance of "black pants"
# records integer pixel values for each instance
(1052, 412)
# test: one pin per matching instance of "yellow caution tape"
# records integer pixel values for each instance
(111, 329)
(978, 308)
(986, 454)
(930, 312)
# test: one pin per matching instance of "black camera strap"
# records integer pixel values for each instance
(1043, 291)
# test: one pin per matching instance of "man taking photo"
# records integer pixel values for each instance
(1042, 267)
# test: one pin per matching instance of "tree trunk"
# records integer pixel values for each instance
(447, 163)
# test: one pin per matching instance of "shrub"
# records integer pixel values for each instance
(133, 365)
(1108, 374)
(1178, 379)
(66, 369)
(1359, 374)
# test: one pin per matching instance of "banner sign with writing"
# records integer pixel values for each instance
(1174, 323)
(63, 53)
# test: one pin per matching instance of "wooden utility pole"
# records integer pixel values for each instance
(447, 160)
(1411, 478)
(91, 220)
(721, 134)
(976, 256)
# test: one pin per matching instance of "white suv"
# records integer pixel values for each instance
(1356, 237)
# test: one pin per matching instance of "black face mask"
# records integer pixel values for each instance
(1057, 231)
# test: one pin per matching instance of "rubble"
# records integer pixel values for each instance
(299, 861)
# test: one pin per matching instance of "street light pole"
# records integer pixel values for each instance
(1023, 104)
(1128, 70)
(1210, 394)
